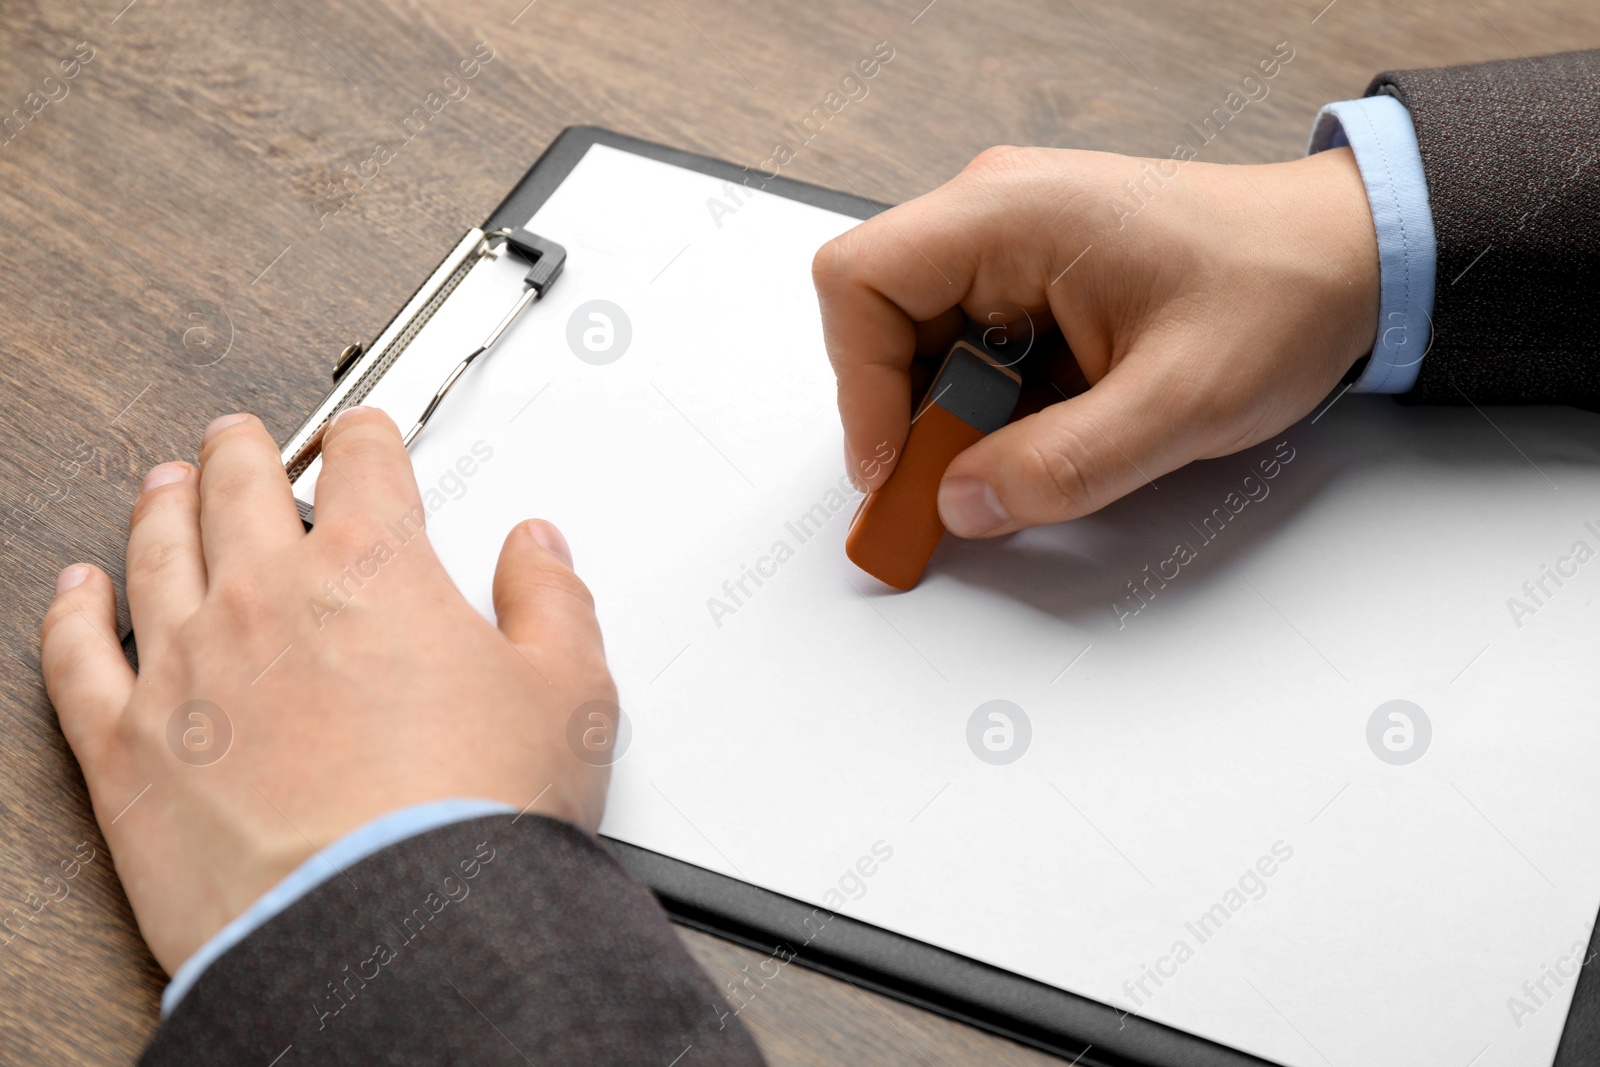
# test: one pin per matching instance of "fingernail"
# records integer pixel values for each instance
(970, 508)
(165, 474)
(550, 539)
(222, 422)
(71, 578)
(347, 411)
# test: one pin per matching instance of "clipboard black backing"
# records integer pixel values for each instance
(1083, 1031)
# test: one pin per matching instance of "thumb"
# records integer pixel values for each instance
(1066, 461)
(540, 604)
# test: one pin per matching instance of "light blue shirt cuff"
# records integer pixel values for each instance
(350, 849)
(1378, 130)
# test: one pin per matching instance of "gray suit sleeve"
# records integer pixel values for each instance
(501, 940)
(1510, 155)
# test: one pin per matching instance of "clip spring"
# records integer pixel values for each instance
(359, 371)
(549, 258)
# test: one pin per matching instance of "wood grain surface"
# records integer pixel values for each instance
(170, 252)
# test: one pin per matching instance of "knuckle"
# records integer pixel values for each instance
(360, 445)
(830, 264)
(147, 505)
(346, 534)
(996, 159)
(1059, 471)
(154, 560)
(233, 483)
(53, 616)
(64, 609)
(359, 453)
(245, 599)
(60, 656)
(132, 730)
(561, 582)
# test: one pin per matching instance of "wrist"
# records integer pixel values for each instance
(1330, 208)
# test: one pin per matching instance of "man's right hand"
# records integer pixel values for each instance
(1207, 314)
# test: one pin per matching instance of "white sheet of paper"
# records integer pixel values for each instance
(815, 716)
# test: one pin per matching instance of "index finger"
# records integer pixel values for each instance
(366, 471)
(959, 246)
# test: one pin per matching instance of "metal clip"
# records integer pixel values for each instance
(548, 259)
(360, 369)
(347, 359)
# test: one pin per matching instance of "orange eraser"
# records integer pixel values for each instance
(897, 527)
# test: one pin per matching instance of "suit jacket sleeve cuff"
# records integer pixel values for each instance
(498, 940)
(353, 847)
(1378, 130)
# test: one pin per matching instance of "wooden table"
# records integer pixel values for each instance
(171, 252)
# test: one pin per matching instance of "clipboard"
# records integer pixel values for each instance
(1080, 1029)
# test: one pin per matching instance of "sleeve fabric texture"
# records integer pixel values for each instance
(1509, 152)
(496, 940)
(327, 863)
